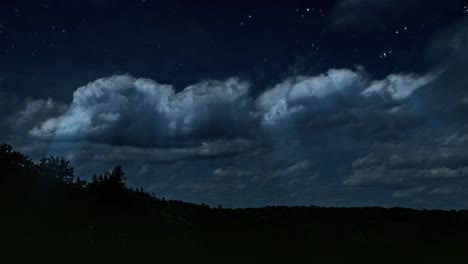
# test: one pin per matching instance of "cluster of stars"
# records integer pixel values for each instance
(59, 31)
(398, 31)
(302, 13)
(307, 10)
(315, 46)
(242, 23)
(385, 54)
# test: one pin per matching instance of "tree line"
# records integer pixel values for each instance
(44, 205)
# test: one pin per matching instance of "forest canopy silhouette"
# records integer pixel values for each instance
(44, 204)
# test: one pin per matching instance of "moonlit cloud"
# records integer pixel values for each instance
(335, 103)
(302, 94)
(122, 119)
(122, 110)
(37, 110)
(398, 87)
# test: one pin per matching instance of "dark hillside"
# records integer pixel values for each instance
(45, 207)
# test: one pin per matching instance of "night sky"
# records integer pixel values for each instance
(246, 103)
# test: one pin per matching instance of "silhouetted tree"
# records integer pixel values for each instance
(117, 177)
(16, 168)
(58, 168)
(81, 184)
(114, 180)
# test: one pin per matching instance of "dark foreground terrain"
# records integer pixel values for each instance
(47, 212)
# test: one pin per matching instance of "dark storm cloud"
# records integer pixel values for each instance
(380, 14)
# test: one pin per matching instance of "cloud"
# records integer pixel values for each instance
(298, 95)
(445, 190)
(207, 150)
(411, 162)
(409, 192)
(126, 111)
(449, 43)
(293, 169)
(397, 86)
(122, 110)
(332, 119)
(230, 172)
(37, 111)
(143, 170)
(343, 98)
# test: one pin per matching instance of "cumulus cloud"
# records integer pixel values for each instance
(126, 111)
(302, 94)
(121, 118)
(122, 110)
(340, 97)
(125, 119)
